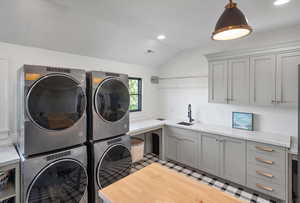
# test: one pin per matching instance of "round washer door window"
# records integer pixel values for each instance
(56, 102)
(114, 165)
(112, 100)
(64, 181)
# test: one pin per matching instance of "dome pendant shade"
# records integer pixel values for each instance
(232, 24)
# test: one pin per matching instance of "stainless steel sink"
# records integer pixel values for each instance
(185, 123)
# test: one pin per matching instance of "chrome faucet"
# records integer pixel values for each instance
(190, 113)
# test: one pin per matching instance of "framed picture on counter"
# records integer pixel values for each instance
(242, 120)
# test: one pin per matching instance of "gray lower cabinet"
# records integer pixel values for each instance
(267, 169)
(258, 166)
(187, 150)
(171, 143)
(224, 157)
(181, 146)
(233, 160)
(209, 152)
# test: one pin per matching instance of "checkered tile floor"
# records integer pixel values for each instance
(226, 187)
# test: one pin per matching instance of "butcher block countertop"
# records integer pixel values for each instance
(158, 184)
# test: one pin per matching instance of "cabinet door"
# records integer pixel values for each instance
(187, 148)
(218, 82)
(233, 160)
(262, 80)
(171, 144)
(210, 154)
(287, 78)
(238, 81)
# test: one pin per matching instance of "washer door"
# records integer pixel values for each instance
(56, 102)
(114, 165)
(112, 100)
(63, 181)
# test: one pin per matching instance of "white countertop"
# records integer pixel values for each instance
(8, 155)
(144, 125)
(257, 136)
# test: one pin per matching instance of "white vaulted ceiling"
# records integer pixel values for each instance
(123, 30)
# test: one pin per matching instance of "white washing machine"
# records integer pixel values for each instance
(55, 178)
(110, 161)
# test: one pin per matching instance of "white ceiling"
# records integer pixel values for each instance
(124, 29)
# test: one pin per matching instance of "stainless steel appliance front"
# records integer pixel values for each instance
(52, 109)
(108, 105)
(57, 177)
(111, 161)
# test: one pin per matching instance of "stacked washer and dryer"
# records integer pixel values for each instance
(108, 122)
(52, 131)
(57, 118)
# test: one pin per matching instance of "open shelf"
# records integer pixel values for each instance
(8, 192)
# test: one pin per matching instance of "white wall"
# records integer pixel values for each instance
(17, 55)
(175, 95)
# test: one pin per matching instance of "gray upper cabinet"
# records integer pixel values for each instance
(287, 78)
(233, 160)
(210, 154)
(256, 77)
(262, 80)
(238, 81)
(218, 82)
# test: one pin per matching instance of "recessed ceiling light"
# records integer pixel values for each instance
(161, 37)
(280, 2)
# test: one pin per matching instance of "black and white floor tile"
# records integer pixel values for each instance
(240, 193)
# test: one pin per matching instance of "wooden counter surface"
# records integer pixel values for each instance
(158, 184)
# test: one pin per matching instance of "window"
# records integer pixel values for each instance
(135, 91)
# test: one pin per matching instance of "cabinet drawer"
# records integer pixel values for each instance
(266, 187)
(266, 174)
(266, 162)
(179, 132)
(271, 157)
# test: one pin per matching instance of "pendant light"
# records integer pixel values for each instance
(232, 24)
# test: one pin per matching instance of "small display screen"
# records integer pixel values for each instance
(241, 120)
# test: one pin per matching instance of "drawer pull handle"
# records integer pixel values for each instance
(264, 161)
(266, 149)
(264, 187)
(269, 175)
